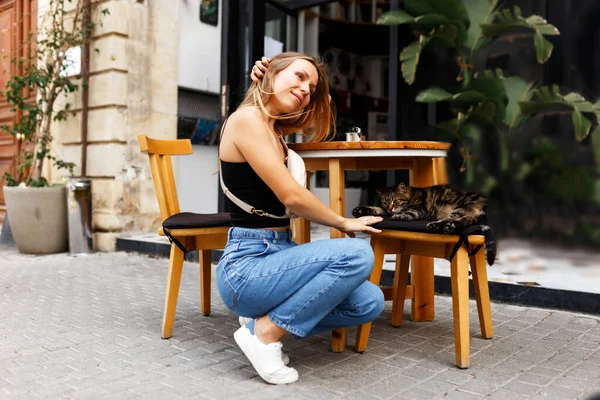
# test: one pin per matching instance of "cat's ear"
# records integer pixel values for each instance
(401, 186)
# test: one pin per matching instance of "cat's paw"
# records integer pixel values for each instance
(449, 228)
(400, 217)
(361, 211)
(434, 226)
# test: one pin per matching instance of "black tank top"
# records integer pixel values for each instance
(245, 184)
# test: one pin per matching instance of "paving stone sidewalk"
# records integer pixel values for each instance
(89, 327)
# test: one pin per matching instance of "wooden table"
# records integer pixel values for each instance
(426, 163)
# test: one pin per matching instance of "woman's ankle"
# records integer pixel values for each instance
(266, 331)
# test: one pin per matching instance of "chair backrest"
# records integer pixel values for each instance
(159, 152)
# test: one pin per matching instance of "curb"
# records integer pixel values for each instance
(155, 249)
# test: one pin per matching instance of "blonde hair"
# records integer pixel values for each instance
(317, 117)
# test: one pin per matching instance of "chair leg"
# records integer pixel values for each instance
(400, 282)
(362, 333)
(173, 281)
(459, 275)
(482, 293)
(205, 271)
(422, 279)
(339, 337)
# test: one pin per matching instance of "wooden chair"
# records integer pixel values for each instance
(189, 231)
(405, 244)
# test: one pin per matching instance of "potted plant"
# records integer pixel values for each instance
(487, 108)
(37, 208)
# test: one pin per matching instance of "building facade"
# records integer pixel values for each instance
(133, 89)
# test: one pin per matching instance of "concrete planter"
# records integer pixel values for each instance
(38, 218)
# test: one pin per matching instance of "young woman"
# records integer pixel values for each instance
(279, 286)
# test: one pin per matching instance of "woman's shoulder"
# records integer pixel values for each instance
(246, 123)
(244, 115)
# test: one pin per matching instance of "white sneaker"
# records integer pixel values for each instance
(265, 358)
(284, 357)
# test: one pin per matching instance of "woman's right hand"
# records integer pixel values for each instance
(362, 224)
(259, 69)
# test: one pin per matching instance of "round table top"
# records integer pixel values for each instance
(371, 145)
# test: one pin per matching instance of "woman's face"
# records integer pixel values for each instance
(293, 86)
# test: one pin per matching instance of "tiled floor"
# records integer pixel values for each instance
(89, 328)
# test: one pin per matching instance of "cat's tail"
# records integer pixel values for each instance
(490, 240)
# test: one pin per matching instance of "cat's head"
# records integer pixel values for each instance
(394, 198)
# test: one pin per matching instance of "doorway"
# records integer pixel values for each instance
(17, 19)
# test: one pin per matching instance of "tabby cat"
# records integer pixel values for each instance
(448, 210)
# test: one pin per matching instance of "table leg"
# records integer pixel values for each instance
(336, 203)
(440, 172)
(421, 268)
(301, 230)
(336, 192)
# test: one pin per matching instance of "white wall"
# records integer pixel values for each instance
(199, 49)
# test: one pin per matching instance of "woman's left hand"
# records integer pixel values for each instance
(362, 224)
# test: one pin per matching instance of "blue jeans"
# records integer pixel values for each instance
(304, 289)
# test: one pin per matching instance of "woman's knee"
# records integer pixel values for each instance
(372, 301)
(360, 255)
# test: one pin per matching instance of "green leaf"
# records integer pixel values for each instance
(454, 10)
(395, 17)
(399, 17)
(547, 98)
(508, 22)
(469, 96)
(433, 95)
(576, 99)
(411, 54)
(484, 113)
(480, 12)
(40, 183)
(410, 58)
(431, 20)
(542, 26)
(581, 124)
(543, 48)
(596, 107)
(446, 35)
(436, 94)
(517, 90)
(10, 179)
(492, 86)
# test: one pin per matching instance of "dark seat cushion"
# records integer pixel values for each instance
(420, 226)
(475, 229)
(188, 220)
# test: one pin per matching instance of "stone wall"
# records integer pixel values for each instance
(133, 89)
